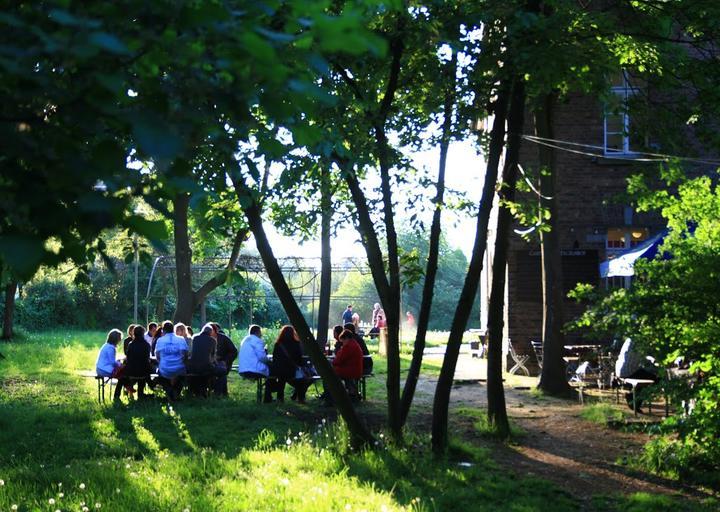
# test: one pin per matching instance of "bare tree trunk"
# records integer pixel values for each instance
(8, 314)
(552, 376)
(441, 400)
(325, 258)
(183, 259)
(360, 435)
(433, 251)
(497, 412)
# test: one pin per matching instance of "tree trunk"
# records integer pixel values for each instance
(360, 435)
(552, 376)
(433, 250)
(183, 260)
(9, 313)
(497, 413)
(389, 292)
(441, 400)
(325, 259)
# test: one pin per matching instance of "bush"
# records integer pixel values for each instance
(46, 303)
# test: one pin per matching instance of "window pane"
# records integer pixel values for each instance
(614, 143)
(614, 123)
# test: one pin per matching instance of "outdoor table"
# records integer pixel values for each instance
(635, 383)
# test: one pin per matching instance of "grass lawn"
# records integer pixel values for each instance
(60, 450)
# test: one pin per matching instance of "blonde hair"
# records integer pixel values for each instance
(180, 327)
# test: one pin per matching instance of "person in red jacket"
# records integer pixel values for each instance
(348, 363)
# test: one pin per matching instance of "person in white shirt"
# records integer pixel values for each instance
(253, 360)
(150, 333)
(107, 364)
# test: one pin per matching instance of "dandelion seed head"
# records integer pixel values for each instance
(98, 505)
(51, 501)
(2, 482)
(82, 486)
(13, 507)
(61, 495)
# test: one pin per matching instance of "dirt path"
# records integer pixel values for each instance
(558, 444)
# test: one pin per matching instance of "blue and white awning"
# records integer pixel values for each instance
(623, 264)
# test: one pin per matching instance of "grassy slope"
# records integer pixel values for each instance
(57, 443)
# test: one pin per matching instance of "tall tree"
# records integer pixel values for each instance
(497, 413)
(250, 204)
(552, 376)
(431, 266)
(441, 400)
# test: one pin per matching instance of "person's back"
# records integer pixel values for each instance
(348, 363)
(202, 356)
(171, 352)
(226, 350)
(253, 358)
(137, 363)
(106, 361)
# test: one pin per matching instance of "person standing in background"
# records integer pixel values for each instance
(347, 315)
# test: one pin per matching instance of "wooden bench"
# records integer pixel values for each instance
(101, 383)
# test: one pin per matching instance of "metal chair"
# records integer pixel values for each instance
(538, 349)
(520, 361)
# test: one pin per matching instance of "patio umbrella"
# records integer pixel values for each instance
(623, 264)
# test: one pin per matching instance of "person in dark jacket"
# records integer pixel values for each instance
(286, 366)
(137, 364)
(203, 358)
(226, 353)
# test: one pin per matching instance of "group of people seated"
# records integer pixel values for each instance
(178, 358)
(288, 366)
(173, 353)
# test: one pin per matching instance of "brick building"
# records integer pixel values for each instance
(594, 221)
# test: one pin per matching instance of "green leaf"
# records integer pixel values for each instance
(23, 254)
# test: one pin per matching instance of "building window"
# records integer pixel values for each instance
(618, 134)
(619, 239)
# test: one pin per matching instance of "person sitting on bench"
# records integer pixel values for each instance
(348, 363)
(225, 355)
(253, 360)
(171, 352)
(367, 361)
(137, 364)
(203, 361)
(108, 366)
(287, 360)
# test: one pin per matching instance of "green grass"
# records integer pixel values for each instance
(57, 443)
(602, 413)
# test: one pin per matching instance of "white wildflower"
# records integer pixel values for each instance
(51, 501)
(61, 494)
(13, 507)
(82, 486)
(98, 505)
(2, 482)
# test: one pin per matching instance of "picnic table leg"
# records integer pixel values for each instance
(634, 402)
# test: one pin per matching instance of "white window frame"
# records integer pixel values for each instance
(624, 91)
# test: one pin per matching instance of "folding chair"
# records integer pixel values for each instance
(520, 361)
